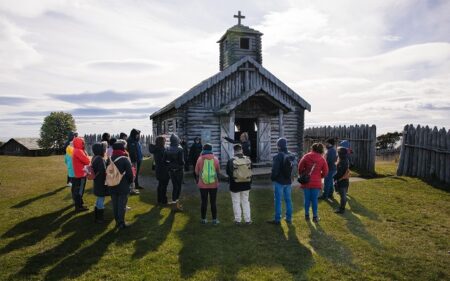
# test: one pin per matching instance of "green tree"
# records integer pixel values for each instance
(55, 129)
(388, 140)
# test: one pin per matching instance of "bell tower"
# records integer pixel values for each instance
(239, 41)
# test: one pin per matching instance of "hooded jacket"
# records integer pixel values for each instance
(161, 170)
(319, 172)
(134, 146)
(99, 164)
(79, 158)
(342, 166)
(199, 169)
(278, 162)
(173, 157)
(194, 152)
(331, 157)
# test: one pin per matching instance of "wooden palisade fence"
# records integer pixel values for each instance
(93, 138)
(362, 139)
(425, 153)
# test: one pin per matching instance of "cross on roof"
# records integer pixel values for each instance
(239, 17)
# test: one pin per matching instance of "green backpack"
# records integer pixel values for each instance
(209, 171)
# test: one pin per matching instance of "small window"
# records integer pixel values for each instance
(245, 43)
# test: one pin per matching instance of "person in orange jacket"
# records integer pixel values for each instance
(79, 160)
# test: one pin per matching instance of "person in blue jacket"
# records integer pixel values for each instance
(331, 157)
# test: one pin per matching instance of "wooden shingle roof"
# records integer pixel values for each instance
(208, 83)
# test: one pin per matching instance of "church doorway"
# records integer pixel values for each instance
(248, 125)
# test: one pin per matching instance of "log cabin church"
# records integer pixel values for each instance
(242, 97)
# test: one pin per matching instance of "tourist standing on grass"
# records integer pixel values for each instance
(194, 153)
(69, 140)
(281, 177)
(207, 169)
(331, 157)
(79, 160)
(316, 167)
(98, 163)
(244, 140)
(69, 164)
(174, 161)
(119, 193)
(161, 171)
(134, 149)
(239, 171)
(342, 178)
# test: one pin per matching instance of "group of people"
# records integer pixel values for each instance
(116, 163)
(118, 158)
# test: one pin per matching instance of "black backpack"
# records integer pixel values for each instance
(288, 165)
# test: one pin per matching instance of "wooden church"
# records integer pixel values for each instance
(242, 97)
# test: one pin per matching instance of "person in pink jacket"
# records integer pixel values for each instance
(207, 170)
(315, 165)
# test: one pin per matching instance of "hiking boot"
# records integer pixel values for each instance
(273, 222)
(203, 221)
(307, 218)
(339, 211)
(316, 219)
(123, 226)
(238, 223)
(99, 215)
(215, 222)
(288, 221)
(81, 209)
(248, 222)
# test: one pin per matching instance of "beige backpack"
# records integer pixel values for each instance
(242, 169)
(113, 175)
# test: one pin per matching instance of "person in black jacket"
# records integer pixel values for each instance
(134, 149)
(194, 154)
(119, 193)
(342, 178)
(239, 190)
(244, 140)
(174, 161)
(184, 145)
(100, 189)
(282, 179)
(162, 173)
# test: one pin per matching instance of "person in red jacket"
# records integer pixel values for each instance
(79, 160)
(315, 165)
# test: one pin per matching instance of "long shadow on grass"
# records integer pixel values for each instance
(78, 230)
(42, 196)
(354, 223)
(34, 230)
(328, 247)
(229, 249)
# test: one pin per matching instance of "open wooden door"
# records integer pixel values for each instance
(226, 130)
(263, 139)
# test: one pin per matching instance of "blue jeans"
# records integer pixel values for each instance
(328, 188)
(284, 191)
(100, 203)
(311, 195)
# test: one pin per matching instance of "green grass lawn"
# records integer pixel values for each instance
(397, 228)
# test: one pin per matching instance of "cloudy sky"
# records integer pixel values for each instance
(112, 63)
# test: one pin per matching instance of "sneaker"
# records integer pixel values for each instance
(316, 219)
(127, 208)
(203, 221)
(69, 184)
(215, 222)
(273, 222)
(288, 221)
(339, 211)
(123, 226)
(238, 223)
(307, 218)
(248, 222)
(134, 192)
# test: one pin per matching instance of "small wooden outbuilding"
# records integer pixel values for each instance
(242, 97)
(22, 147)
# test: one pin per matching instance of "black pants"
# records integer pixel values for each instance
(138, 168)
(342, 189)
(195, 175)
(119, 203)
(162, 190)
(212, 197)
(78, 186)
(176, 176)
